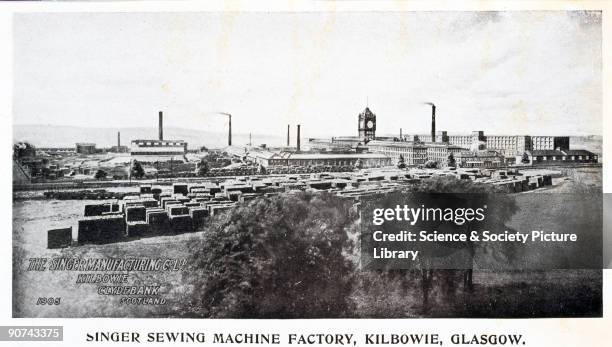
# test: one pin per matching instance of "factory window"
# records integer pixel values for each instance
(580, 157)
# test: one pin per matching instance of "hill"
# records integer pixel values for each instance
(67, 136)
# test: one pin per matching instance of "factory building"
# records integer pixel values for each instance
(415, 153)
(158, 150)
(321, 154)
(85, 148)
(508, 146)
(550, 142)
(440, 136)
(346, 141)
(151, 151)
(368, 160)
(463, 141)
(318, 156)
(474, 150)
(270, 159)
(439, 152)
(479, 159)
(412, 152)
(553, 157)
(323, 145)
(57, 150)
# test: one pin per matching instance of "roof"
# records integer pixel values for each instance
(160, 158)
(476, 154)
(412, 144)
(261, 154)
(157, 140)
(352, 138)
(578, 152)
(119, 160)
(394, 143)
(336, 156)
(320, 141)
(235, 150)
(367, 112)
(153, 150)
(545, 152)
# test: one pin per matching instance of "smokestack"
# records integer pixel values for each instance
(400, 134)
(161, 126)
(229, 134)
(288, 143)
(433, 123)
(298, 138)
(118, 140)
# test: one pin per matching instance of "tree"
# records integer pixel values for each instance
(262, 169)
(525, 158)
(203, 167)
(450, 192)
(137, 170)
(100, 174)
(400, 162)
(500, 209)
(430, 164)
(450, 161)
(275, 257)
(23, 149)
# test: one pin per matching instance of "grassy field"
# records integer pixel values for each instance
(496, 294)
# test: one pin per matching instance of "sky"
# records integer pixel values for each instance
(535, 73)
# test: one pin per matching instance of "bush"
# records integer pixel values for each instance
(100, 174)
(281, 257)
(430, 164)
(137, 170)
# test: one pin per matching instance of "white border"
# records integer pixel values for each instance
(539, 332)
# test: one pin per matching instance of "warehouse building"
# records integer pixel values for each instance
(85, 148)
(305, 159)
(507, 145)
(415, 153)
(554, 157)
(479, 159)
(550, 142)
(160, 150)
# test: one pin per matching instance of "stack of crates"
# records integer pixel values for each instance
(59, 238)
(136, 221)
(101, 229)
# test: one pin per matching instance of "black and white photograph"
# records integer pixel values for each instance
(232, 164)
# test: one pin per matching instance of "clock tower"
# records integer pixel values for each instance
(367, 126)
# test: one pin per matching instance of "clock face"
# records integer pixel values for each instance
(370, 124)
